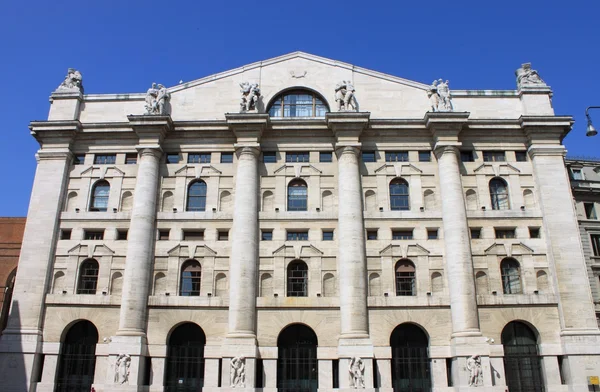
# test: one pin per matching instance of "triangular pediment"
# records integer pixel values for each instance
(404, 251)
(191, 251)
(102, 172)
(197, 171)
(398, 169)
(297, 251)
(497, 169)
(297, 170)
(520, 249)
(496, 249)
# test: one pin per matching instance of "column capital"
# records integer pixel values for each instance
(442, 148)
(347, 148)
(52, 155)
(151, 129)
(247, 149)
(152, 151)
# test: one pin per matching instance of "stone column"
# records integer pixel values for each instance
(20, 344)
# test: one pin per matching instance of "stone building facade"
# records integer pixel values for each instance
(11, 237)
(338, 228)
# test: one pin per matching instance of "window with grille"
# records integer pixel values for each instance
(511, 276)
(402, 234)
(396, 156)
(399, 197)
(106, 159)
(302, 156)
(297, 235)
(297, 279)
(499, 194)
(191, 276)
(405, 278)
(93, 235)
(199, 158)
(88, 277)
(494, 156)
(297, 196)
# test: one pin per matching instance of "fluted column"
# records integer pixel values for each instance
(243, 266)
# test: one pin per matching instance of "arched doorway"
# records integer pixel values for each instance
(297, 369)
(184, 370)
(410, 359)
(77, 361)
(521, 359)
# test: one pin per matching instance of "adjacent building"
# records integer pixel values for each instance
(11, 236)
(299, 224)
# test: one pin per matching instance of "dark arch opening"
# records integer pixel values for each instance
(297, 368)
(184, 368)
(7, 298)
(410, 359)
(522, 362)
(77, 361)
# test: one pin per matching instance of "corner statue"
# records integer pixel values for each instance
(345, 97)
(250, 96)
(156, 100)
(528, 77)
(73, 82)
(439, 96)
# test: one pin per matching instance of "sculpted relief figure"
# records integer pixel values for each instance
(528, 77)
(357, 372)
(439, 96)
(73, 81)
(474, 368)
(345, 97)
(156, 99)
(237, 376)
(250, 96)
(122, 369)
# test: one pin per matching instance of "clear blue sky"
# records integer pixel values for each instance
(122, 46)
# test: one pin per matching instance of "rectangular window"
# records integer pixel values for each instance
(371, 235)
(505, 233)
(534, 232)
(432, 234)
(297, 235)
(335, 373)
(475, 233)
(199, 158)
(223, 235)
(325, 157)
(93, 235)
(269, 157)
(172, 158)
(577, 174)
(590, 211)
(595, 244)
(467, 156)
(521, 156)
(105, 159)
(65, 234)
(561, 370)
(369, 156)
(297, 156)
(449, 371)
(122, 235)
(131, 159)
(402, 234)
(193, 235)
(266, 235)
(494, 156)
(79, 159)
(424, 156)
(327, 235)
(163, 234)
(396, 156)
(226, 157)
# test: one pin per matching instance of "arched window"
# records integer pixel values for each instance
(521, 359)
(499, 194)
(297, 196)
(511, 276)
(100, 193)
(297, 279)
(405, 278)
(399, 195)
(298, 103)
(88, 277)
(77, 360)
(297, 366)
(184, 367)
(191, 275)
(410, 359)
(196, 200)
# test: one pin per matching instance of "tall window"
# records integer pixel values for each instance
(511, 276)
(405, 278)
(410, 359)
(184, 367)
(88, 277)
(298, 103)
(297, 364)
(77, 360)
(297, 196)
(191, 275)
(100, 194)
(499, 194)
(197, 196)
(399, 195)
(297, 279)
(521, 359)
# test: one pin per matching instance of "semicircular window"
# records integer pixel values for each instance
(298, 103)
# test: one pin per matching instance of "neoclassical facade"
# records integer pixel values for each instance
(301, 224)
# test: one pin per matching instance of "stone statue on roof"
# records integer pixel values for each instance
(345, 97)
(439, 95)
(250, 96)
(157, 97)
(528, 77)
(73, 82)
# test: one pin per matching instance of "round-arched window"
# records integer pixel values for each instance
(298, 103)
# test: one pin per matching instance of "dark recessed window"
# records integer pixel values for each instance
(368, 156)
(298, 103)
(396, 156)
(78, 159)
(399, 197)
(494, 156)
(297, 156)
(122, 234)
(191, 279)
(105, 159)
(424, 156)
(199, 158)
(196, 196)
(297, 196)
(534, 232)
(93, 235)
(371, 235)
(193, 235)
(266, 235)
(590, 211)
(325, 157)
(521, 156)
(131, 159)
(223, 235)
(595, 238)
(327, 235)
(432, 234)
(163, 234)
(269, 156)
(88, 277)
(505, 233)
(65, 234)
(226, 157)
(402, 234)
(172, 158)
(467, 156)
(475, 233)
(577, 174)
(297, 235)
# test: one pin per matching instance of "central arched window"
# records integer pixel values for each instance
(298, 103)
(399, 195)
(297, 196)
(405, 278)
(499, 194)
(511, 276)
(88, 277)
(297, 279)
(100, 194)
(191, 277)
(197, 196)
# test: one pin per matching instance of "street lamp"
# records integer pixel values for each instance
(591, 131)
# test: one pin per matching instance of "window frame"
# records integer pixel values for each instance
(327, 233)
(404, 279)
(269, 234)
(494, 156)
(99, 202)
(297, 199)
(202, 157)
(499, 200)
(510, 279)
(194, 279)
(399, 201)
(200, 198)
(422, 156)
(368, 154)
(297, 156)
(500, 233)
(396, 156)
(297, 279)
(316, 107)
(131, 158)
(402, 234)
(296, 235)
(269, 155)
(229, 158)
(87, 276)
(328, 156)
(105, 159)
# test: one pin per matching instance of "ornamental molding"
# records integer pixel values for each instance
(91, 172)
(297, 251)
(197, 171)
(497, 169)
(297, 170)
(404, 250)
(91, 250)
(191, 251)
(398, 169)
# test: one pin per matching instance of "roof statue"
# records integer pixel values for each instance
(439, 96)
(157, 98)
(250, 96)
(528, 77)
(73, 82)
(345, 97)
